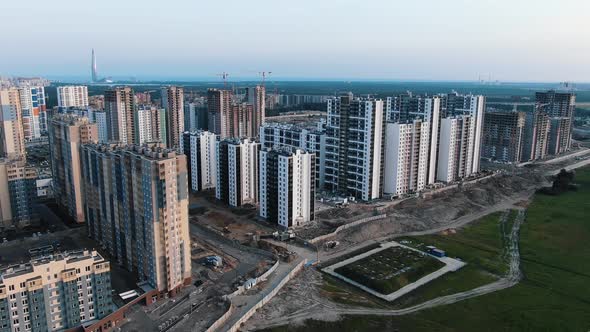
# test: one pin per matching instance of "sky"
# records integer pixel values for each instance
(509, 40)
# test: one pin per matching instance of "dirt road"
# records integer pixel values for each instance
(333, 311)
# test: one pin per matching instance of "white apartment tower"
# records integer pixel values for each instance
(407, 156)
(455, 147)
(200, 149)
(237, 171)
(287, 188)
(72, 96)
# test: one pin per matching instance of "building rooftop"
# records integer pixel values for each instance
(152, 151)
(67, 256)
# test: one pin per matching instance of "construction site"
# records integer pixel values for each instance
(248, 276)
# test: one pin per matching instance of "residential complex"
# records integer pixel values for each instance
(55, 292)
(173, 103)
(287, 186)
(12, 137)
(237, 171)
(137, 209)
(560, 107)
(19, 183)
(67, 134)
(504, 136)
(354, 146)
(72, 96)
(200, 150)
(277, 135)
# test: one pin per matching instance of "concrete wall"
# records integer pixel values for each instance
(346, 226)
(219, 322)
(261, 278)
(235, 327)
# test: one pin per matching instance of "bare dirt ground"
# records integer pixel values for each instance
(304, 297)
(237, 223)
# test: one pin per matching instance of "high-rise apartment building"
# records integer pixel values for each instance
(407, 157)
(354, 146)
(287, 186)
(560, 107)
(18, 194)
(536, 136)
(55, 292)
(34, 111)
(173, 103)
(278, 135)
(219, 107)
(256, 96)
(200, 150)
(196, 117)
(407, 108)
(119, 105)
(12, 137)
(150, 125)
(503, 136)
(455, 104)
(455, 158)
(137, 208)
(72, 96)
(237, 171)
(67, 134)
(102, 124)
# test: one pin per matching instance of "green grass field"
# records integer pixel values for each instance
(553, 296)
(390, 269)
(480, 244)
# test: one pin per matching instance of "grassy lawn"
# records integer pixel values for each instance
(553, 296)
(479, 244)
(343, 293)
(390, 269)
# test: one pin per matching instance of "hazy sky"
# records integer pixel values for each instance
(513, 40)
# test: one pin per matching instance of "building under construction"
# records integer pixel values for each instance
(503, 136)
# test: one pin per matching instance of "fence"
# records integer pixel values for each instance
(234, 327)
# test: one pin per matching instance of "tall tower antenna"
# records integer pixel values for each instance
(93, 68)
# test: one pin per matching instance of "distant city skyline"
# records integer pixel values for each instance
(523, 41)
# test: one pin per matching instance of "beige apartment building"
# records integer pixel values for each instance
(67, 134)
(137, 208)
